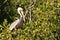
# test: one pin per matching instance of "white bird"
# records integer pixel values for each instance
(18, 22)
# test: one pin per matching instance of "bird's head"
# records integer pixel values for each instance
(20, 11)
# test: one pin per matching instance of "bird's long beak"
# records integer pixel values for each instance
(24, 18)
(23, 15)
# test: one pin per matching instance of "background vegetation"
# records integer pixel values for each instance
(42, 20)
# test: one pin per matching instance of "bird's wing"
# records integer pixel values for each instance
(13, 24)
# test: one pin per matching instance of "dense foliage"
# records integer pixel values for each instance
(42, 20)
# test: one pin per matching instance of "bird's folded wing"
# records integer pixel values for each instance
(13, 25)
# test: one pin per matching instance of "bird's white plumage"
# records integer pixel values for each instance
(18, 21)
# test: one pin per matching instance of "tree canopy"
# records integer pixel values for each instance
(42, 21)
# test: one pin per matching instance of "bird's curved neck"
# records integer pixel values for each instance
(20, 11)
